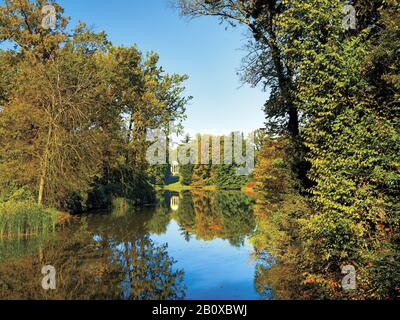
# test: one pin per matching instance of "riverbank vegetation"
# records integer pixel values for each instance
(25, 219)
(328, 173)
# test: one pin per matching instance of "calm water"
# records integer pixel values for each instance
(191, 246)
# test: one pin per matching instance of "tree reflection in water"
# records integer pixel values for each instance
(96, 263)
(212, 215)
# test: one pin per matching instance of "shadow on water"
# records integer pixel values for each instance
(191, 245)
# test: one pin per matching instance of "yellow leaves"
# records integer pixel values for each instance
(322, 281)
(21, 23)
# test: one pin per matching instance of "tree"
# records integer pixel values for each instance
(353, 140)
(266, 62)
(202, 171)
(186, 170)
(57, 144)
(226, 175)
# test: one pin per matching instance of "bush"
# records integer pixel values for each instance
(135, 188)
(186, 173)
(227, 178)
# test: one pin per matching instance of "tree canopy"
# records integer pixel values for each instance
(63, 93)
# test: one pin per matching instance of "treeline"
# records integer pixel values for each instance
(212, 169)
(74, 110)
(329, 172)
(208, 161)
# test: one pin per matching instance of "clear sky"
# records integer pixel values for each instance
(201, 48)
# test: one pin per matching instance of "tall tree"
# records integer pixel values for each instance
(62, 94)
(56, 132)
(186, 170)
(266, 62)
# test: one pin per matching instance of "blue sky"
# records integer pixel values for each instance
(201, 48)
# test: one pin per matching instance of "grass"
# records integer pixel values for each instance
(21, 219)
(178, 187)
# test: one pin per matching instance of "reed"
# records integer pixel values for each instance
(21, 219)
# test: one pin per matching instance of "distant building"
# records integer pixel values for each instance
(174, 164)
(175, 168)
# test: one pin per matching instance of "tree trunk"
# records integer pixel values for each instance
(129, 138)
(284, 77)
(294, 129)
(285, 84)
(44, 165)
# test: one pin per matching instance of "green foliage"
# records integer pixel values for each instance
(385, 273)
(345, 83)
(186, 170)
(353, 139)
(211, 169)
(202, 175)
(227, 178)
(136, 190)
(159, 174)
(186, 174)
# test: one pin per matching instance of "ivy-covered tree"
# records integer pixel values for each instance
(266, 63)
(353, 140)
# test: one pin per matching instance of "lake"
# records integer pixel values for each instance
(193, 245)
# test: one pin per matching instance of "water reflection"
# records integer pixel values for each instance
(95, 266)
(175, 203)
(223, 215)
(190, 246)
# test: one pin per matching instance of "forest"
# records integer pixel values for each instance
(74, 110)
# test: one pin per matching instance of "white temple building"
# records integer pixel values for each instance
(175, 168)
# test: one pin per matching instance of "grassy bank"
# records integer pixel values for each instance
(178, 187)
(19, 219)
